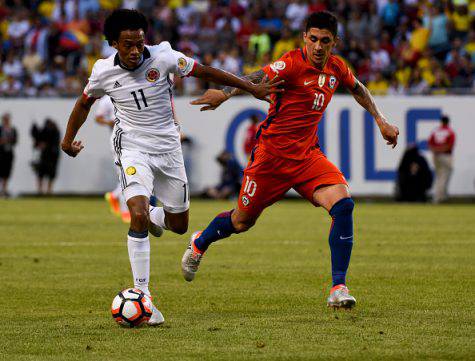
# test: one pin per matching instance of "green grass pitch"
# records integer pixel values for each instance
(258, 296)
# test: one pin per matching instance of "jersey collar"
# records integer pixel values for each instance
(146, 55)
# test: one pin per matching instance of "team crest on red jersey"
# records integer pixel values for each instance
(152, 75)
(321, 80)
(278, 65)
(332, 82)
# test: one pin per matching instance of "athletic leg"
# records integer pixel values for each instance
(336, 200)
(258, 191)
(172, 190)
(138, 242)
(223, 225)
(322, 183)
(137, 179)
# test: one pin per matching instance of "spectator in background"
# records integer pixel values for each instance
(357, 26)
(380, 59)
(10, 87)
(250, 140)
(437, 23)
(46, 140)
(419, 36)
(441, 143)
(12, 66)
(231, 178)
(259, 43)
(285, 44)
(390, 16)
(414, 177)
(379, 85)
(8, 140)
(296, 13)
(470, 46)
(460, 20)
(417, 84)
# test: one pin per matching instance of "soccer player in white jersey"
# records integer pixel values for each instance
(145, 137)
(105, 115)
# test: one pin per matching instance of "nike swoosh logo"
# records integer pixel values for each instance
(308, 82)
(341, 237)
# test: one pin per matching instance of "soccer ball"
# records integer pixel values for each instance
(131, 308)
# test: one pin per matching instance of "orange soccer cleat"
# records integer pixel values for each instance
(113, 203)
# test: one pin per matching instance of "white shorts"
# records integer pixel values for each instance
(163, 175)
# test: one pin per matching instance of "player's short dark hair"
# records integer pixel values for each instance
(445, 119)
(123, 19)
(322, 20)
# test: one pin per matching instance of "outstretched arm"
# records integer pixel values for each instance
(366, 100)
(76, 120)
(254, 78)
(213, 98)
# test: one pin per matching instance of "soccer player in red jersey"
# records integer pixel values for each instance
(287, 154)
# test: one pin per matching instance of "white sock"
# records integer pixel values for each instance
(139, 255)
(157, 216)
(117, 192)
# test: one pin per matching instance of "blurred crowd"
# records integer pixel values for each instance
(395, 47)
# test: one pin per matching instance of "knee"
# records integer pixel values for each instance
(180, 228)
(344, 206)
(139, 218)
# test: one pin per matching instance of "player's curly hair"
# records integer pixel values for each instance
(123, 19)
(322, 20)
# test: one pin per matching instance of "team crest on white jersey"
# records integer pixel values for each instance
(182, 63)
(321, 80)
(131, 170)
(278, 65)
(152, 75)
(332, 82)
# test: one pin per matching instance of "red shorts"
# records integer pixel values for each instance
(267, 178)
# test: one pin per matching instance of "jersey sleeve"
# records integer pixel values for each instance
(345, 74)
(94, 87)
(283, 68)
(179, 63)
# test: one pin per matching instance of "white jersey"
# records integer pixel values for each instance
(105, 108)
(142, 98)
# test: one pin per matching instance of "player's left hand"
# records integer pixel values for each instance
(266, 87)
(212, 99)
(389, 132)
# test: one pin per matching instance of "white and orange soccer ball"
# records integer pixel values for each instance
(131, 308)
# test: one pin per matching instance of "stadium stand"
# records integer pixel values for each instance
(395, 47)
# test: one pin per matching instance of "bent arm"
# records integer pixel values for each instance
(363, 96)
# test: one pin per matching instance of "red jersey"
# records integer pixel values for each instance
(250, 140)
(290, 129)
(442, 136)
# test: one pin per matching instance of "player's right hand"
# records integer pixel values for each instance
(266, 87)
(390, 133)
(72, 149)
(212, 98)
